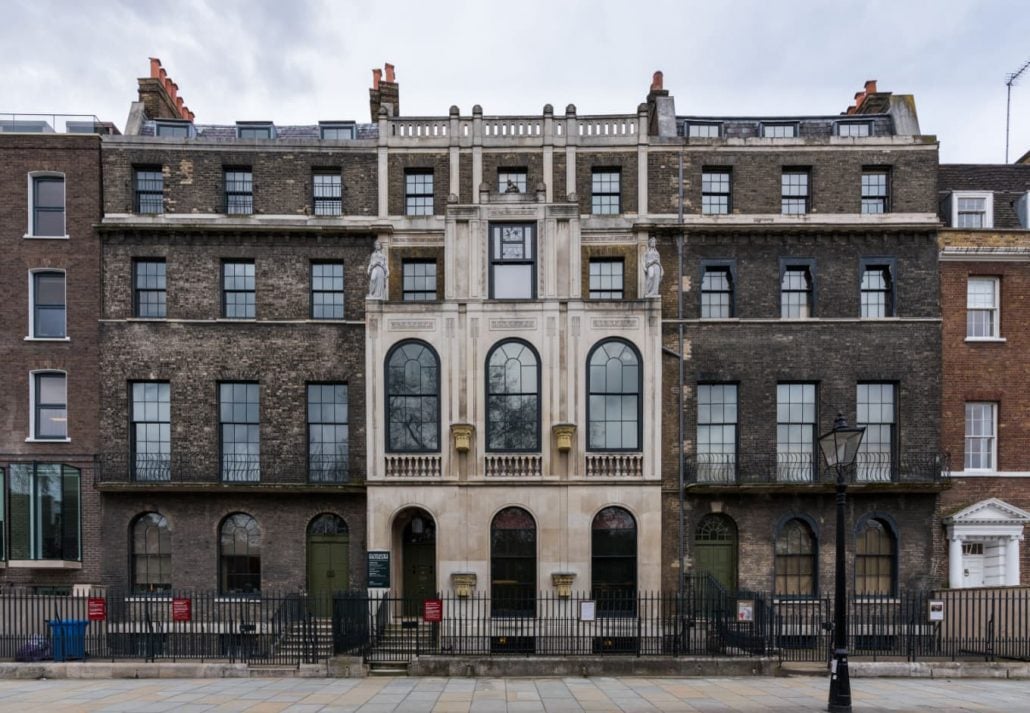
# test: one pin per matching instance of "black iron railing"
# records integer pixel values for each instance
(237, 469)
(807, 468)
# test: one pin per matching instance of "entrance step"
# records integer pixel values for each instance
(272, 671)
(392, 668)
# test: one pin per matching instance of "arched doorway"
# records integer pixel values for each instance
(715, 549)
(328, 558)
(418, 558)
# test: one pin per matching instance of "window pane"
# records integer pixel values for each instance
(412, 376)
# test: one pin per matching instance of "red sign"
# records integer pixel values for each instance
(96, 609)
(432, 610)
(182, 609)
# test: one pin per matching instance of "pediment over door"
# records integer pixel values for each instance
(992, 511)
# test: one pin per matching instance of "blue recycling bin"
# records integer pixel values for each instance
(68, 638)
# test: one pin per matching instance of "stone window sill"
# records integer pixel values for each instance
(46, 237)
(989, 340)
(47, 339)
(47, 440)
(44, 564)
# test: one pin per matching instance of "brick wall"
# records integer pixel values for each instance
(397, 257)
(628, 254)
(194, 180)
(835, 179)
(587, 161)
(398, 163)
(78, 158)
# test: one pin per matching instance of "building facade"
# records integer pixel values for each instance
(49, 305)
(985, 269)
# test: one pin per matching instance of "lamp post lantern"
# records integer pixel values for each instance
(840, 446)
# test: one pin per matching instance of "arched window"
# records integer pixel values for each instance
(513, 563)
(875, 559)
(795, 560)
(412, 398)
(613, 387)
(613, 563)
(151, 553)
(239, 555)
(328, 524)
(512, 398)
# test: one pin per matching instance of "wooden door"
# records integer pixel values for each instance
(715, 549)
(419, 575)
(328, 569)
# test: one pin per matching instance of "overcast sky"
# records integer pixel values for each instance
(298, 61)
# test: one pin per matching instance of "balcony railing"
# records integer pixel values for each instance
(242, 469)
(54, 124)
(514, 465)
(803, 468)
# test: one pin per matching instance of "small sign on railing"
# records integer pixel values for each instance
(432, 610)
(96, 609)
(182, 609)
(745, 610)
(936, 609)
(587, 610)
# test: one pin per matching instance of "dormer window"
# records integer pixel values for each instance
(255, 130)
(174, 129)
(780, 130)
(854, 129)
(703, 130)
(972, 210)
(336, 130)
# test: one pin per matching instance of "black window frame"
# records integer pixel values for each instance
(255, 130)
(338, 462)
(325, 127)
(794, 126)
(868, 198)
(838, 127)
(251, 465)
(520, 173)
(147, 190)
(519, 599)
(388, 393)
(791, 197)
(171, 129)
(799, 472)
(489, 395)
(726, 266)
(639, 394)
(606, 294)
(226, 291)
(689, 125)
(37, 208)
(38, 306)
(889, 527)
(333, 199)
(239, 190)
(414, 200)
(38, 406)
(496, 260)
(138, 291)
(808, 265)
(888, 266)
(419, 295)
(613, 599)
(723, 470)
(882, 473)
(159, 469)
(313, 291)
(723, 171)
(42, 540)
(605, 196)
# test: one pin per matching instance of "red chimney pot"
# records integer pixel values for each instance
(390, 77)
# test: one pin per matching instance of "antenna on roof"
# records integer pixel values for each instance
(1009, 81)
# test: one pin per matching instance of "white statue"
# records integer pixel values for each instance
(652, 269)
(377, 274)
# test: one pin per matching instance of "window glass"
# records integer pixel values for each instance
(51, 405)
(337, 133)
(150, 186)
(795, 432)
(413, 398)
(512, 262)
(715, 192)
(239, 554)
(419, 280)
(238, 290)
(980, 436)
(178, 131)
(418, 193)
(614, 406)
(874, 192)
(513, 398)
(48, 206)
(795, 561)
(875, 560)
(703, 131)
(239, 192)
(716, 433)
(328, 189)
(254, 132)
(972, 212)
(876, 292)
(241, 439)
(327, 290)
(717, 293)
(44, 512)
(779, 131)
(150, 289)
(605, 191)
(982, 308)
(328, 433)
(796, 293)
(606, 278)
(876, 412)
(512, 180)
(854, 129)
(513, 563)
(151, 554)
(151, 430)
(794, 189)
(49, 311)
(613, 562)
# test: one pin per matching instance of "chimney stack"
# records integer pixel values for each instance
(384, 93)
(661, 108)
(160, 95)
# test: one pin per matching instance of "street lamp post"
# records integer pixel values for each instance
(840, 446)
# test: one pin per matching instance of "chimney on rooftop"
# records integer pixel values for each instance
(384, 93)
(661, 108)
(160, 95)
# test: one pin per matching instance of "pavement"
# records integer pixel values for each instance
(515, 695)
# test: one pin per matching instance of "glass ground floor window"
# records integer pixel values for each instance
(43, 512)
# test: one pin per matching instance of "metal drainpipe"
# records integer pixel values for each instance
(679, 316)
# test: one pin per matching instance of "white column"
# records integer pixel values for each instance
(1012, 561)
(955, 562)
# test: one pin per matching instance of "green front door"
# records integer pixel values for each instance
(419, 575)
(328, 569)
(715, 549)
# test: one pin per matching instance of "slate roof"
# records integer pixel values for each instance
(1008, 182)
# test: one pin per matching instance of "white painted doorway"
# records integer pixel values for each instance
(972, 564)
